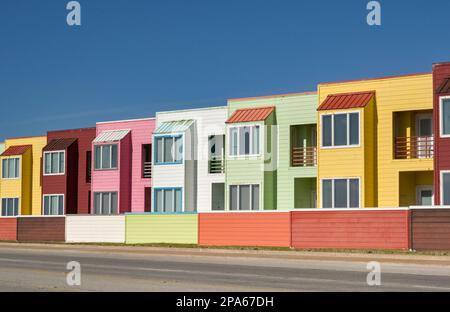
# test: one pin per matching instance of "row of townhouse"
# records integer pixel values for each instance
(382, 142)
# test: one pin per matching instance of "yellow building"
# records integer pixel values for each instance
(376, 142)
(20, 183)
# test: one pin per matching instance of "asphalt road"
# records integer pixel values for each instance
(41, 268)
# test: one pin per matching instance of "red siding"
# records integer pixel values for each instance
(264, 229)
(430, 229)
(51, 229)
(442, 145)
(125, 174)
(388, 229)
(8, 229)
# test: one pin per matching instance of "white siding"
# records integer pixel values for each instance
(95, 229)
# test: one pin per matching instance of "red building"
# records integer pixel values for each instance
(441, 116)
(66, 172)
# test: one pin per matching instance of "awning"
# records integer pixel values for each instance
(346, 100)
(16, 150)
(173, 126)
(444, 88)
(251, 114)
(111, 136)
(59, 144)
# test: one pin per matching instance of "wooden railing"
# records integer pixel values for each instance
(216, 165)
(414, 147)
(147, 170)
(304, 156)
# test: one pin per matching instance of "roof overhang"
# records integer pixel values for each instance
(111, 136)
(251, 114)
(173, 126)
(59, 144)
(444, 88)
(346, 100)
(16, 150)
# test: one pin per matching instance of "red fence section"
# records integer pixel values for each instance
(259, 229)
(8, 229)
(42, 228)
(364, 229)
(430, 229)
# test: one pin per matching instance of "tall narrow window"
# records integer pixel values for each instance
(445, 116)
(54, 163)
(234, 141)
(327, 194)
(146, 160)
(445, 188)
(340, 130)
(88, 166)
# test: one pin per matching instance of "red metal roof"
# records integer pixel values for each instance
(444, 87)
(16, 150)
(250, 114)
(346, 100)
(59, 144)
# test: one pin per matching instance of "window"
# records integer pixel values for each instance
(146, 160)
(340, 130)
(168, 200)
(105, 157)
(54, 163)
(10, 207)
(445, 188)
(10, 168)
(88, 166)
(244, 141)
(244, 197)
(169, 150)
(445, 116)
(105, 203)
(340, 193)
(53, 205)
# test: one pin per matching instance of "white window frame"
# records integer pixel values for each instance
(261, 141)
(348, 191)
(1, 206)
(164, 189)
(250, 197)
(420, 188)
(441, 186)
(348, 113)
(163, 138)
(110, 157)
(59, 155)
(101, 203)
(441, 124)
(19, 170)
(52, 195)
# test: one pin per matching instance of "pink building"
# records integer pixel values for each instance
(122, 167)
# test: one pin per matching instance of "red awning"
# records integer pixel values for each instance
(251, 114)
(58, 144)
(346, 100)
(444, 88)
(16, 150)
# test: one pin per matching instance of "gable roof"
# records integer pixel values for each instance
(173, 126)
(251, 114)
(444, 87)
(59, 144)
(16, 150)
(346, 100)
(111, 136)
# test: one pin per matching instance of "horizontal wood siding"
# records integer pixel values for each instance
(95, 229)
(430, 229)
(160, 228)
(8, 229)
(370, 229)
(41, 229)
(269, 229)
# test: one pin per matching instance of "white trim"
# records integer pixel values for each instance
(125, 120)
(441, 184)
(101, 145)
(420, 188)
(348, 192)
(441, 129)
(49, 195)
(19, 175)
(44, 163)
(18, 206)
(347, 113)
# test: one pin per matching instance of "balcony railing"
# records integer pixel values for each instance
(147, 170)
(216, 165)
(304, 156)
(414, 147)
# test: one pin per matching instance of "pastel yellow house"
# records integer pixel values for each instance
(376, 142)
(20, 183)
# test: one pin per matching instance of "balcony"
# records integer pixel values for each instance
(304, 156)
(414, 147)
(147, 170)
(216, 165)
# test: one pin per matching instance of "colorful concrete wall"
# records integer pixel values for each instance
(41, 229)
(95, 229)
(161, 228)
(8, 229)
(430, 229)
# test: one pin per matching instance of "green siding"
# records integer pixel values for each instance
(161, 228)
(291, 110)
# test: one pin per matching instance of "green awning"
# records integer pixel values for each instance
(173, 126)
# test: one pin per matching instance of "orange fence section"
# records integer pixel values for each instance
(8, 229)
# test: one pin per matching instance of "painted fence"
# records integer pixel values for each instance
(430, 229)
(161, 228)
(8, 229)
(95, 229)
(262, 229)
(41, 229)
(351, 228)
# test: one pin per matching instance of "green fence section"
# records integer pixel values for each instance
(161, 228)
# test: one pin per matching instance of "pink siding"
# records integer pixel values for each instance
(129, 188)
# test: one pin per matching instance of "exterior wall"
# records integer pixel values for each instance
(264, 229)
(8, 229)
(95, 229)
(291, 110)
(394, 94)
(40, 229)
(430, 229)
(367, 229)
(162, 228)
(441, 145)
(28, 187)
(77, 167)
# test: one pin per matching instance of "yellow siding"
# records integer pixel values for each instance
(396, 94)
(11, 188)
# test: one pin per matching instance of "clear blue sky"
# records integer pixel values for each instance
(130, 59)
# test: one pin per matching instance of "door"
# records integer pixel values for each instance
(148, 199)
(425, 195)
(424, 133)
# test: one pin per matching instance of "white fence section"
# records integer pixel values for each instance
(95, 229)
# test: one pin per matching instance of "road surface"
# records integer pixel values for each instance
(43, 268)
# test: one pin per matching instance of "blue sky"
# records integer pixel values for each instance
(130, 59)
